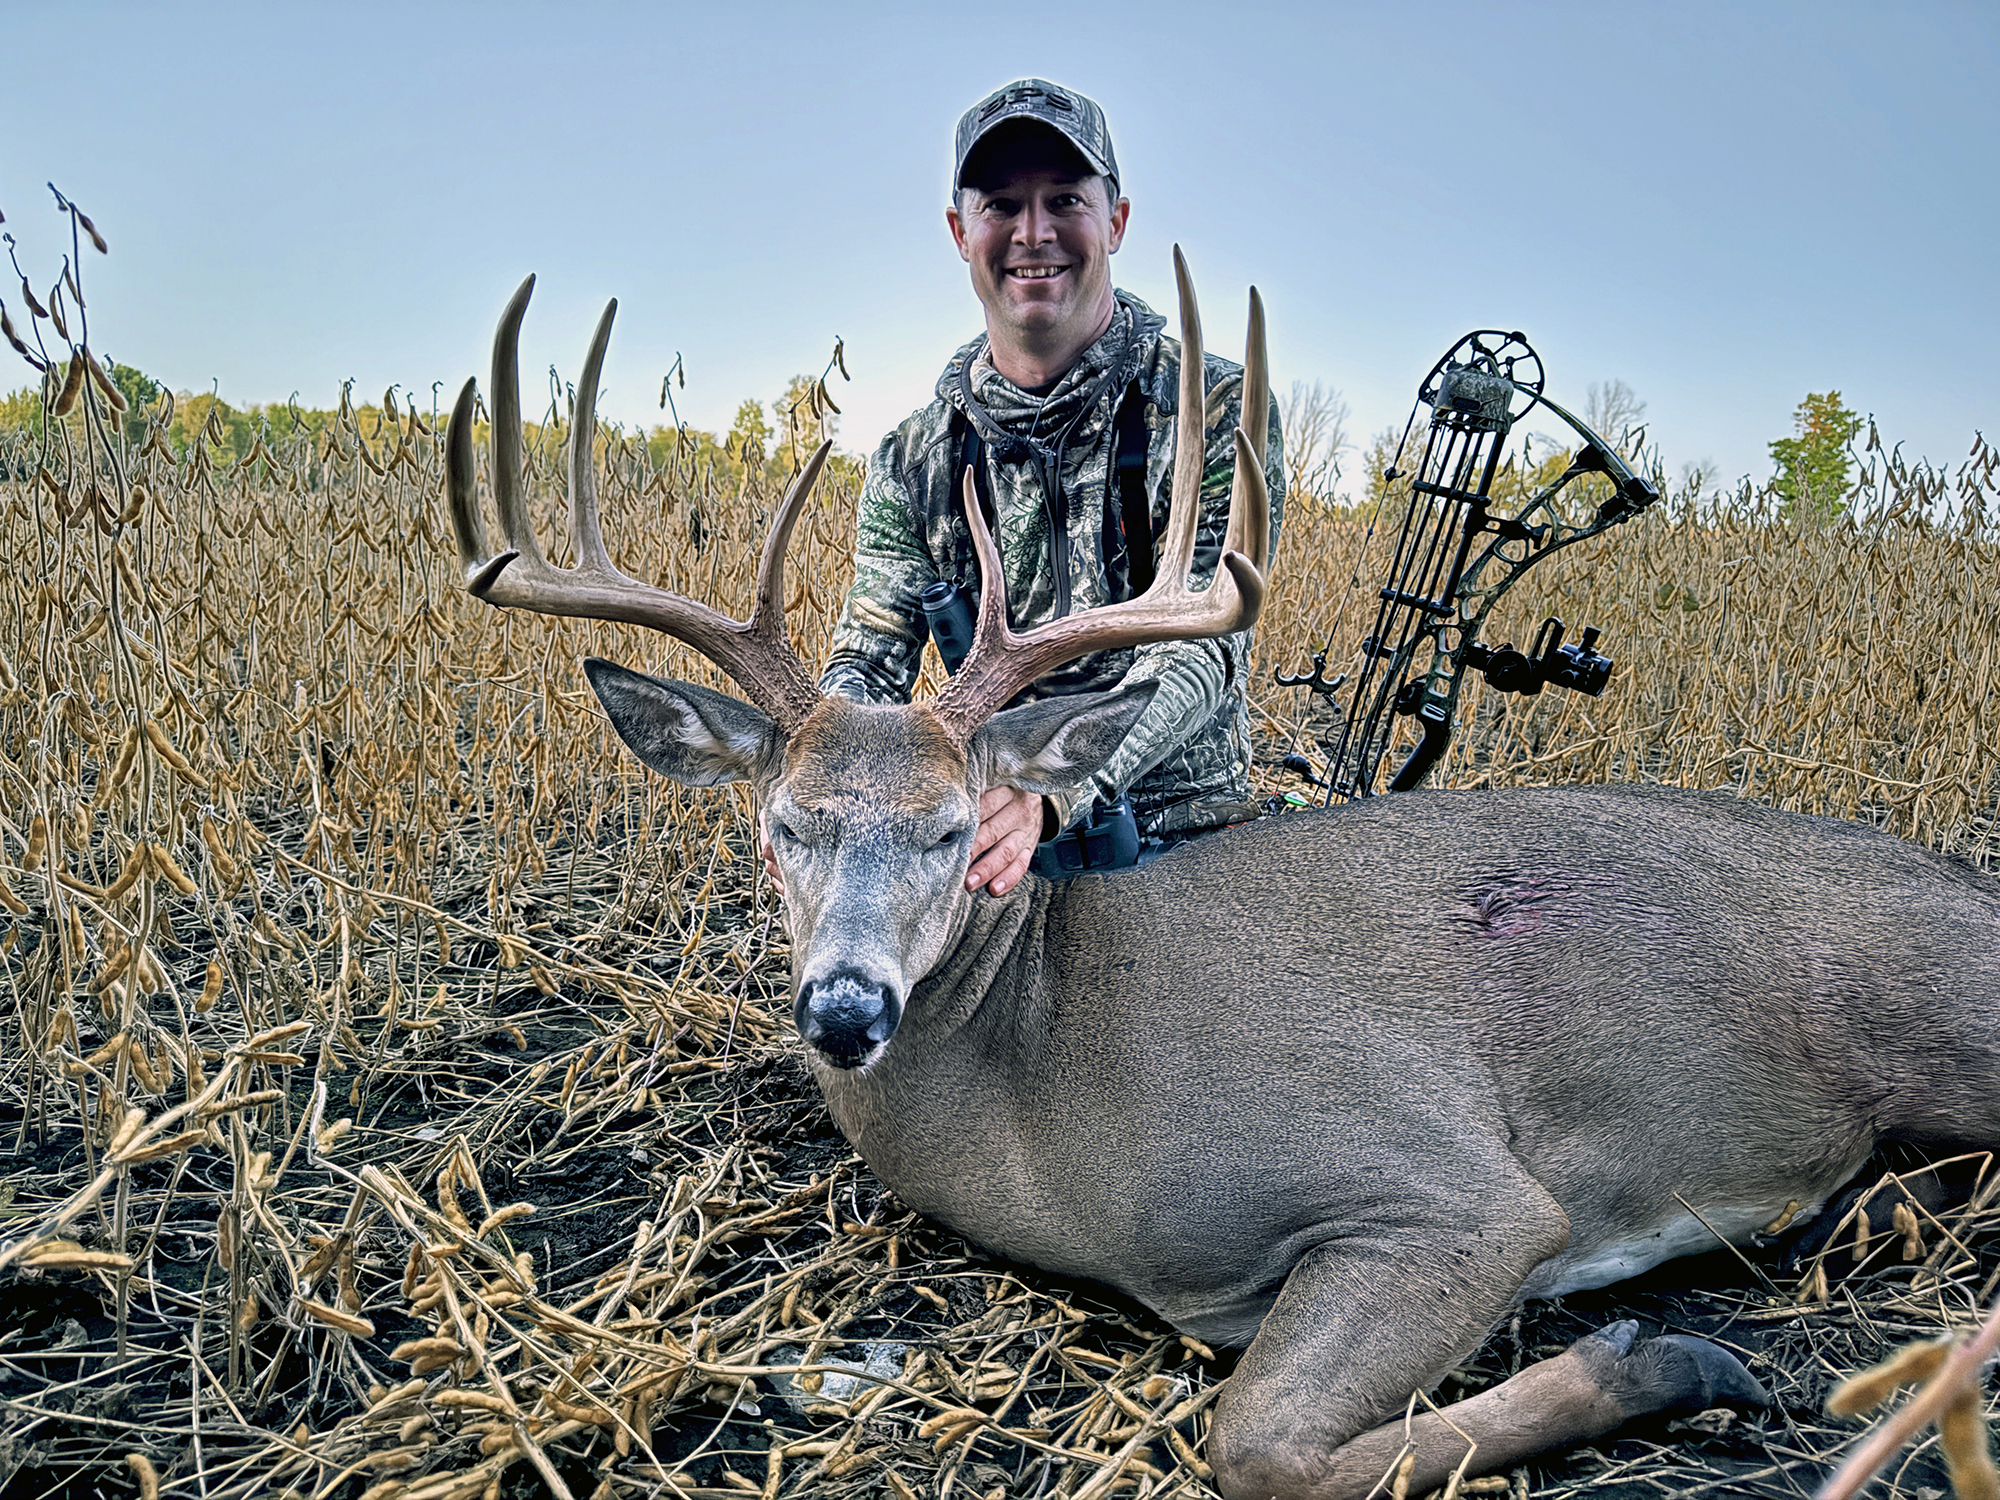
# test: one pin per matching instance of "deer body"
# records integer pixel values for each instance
(1632, 993)
(1341, 1087)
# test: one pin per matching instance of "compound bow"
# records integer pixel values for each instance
(1454, 559)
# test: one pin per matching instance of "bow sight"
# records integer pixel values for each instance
(1455, 556)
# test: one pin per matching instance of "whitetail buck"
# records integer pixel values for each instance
(1341, 1086)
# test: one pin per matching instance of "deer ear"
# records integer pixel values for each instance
(693, 735)
(1053, 744)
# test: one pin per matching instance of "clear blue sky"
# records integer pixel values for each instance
(1724, 205)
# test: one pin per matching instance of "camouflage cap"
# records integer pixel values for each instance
(1075, 118)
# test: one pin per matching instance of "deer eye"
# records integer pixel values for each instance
(948, 838)
(783, 831)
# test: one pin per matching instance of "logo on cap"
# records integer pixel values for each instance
(1021, 93)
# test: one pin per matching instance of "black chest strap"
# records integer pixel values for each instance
(1131, 513)
(972, 455)
(1134, 512)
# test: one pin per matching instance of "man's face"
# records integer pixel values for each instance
(1039, 237)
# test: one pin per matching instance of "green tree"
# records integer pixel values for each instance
(140, 391)
(231, 429)
(804, 418)
(1814, 465)
(21, 413)
(750, 434)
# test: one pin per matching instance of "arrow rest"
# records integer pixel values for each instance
(1457, 552)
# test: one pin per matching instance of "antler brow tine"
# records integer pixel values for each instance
(468, 526)
(1253, 537)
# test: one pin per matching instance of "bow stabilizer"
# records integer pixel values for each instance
(1460, 548)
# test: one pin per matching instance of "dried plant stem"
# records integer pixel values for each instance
(1961, 1372)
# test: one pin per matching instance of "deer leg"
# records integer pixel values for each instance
(1357, 1329)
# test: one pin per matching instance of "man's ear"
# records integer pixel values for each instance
(1051, 745)
(690, 734)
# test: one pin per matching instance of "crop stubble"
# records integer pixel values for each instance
(396, 1073)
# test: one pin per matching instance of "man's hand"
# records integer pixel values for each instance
(1010, 825)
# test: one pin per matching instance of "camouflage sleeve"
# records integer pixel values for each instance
(879, 639)
(1193, 676)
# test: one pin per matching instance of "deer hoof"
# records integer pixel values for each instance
(1674, 1372)
(1716, 1377)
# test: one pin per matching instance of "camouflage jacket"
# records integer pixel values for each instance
(1186, 762)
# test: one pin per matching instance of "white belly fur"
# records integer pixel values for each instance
(1582, 1268)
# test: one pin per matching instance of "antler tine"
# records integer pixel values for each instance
(767, 607)
(1253, 539)
(516, 530)
(1001, 662)
(755, 653)
(461, 484)
(1190, 436)
(586, 538)
(1248, 535)
(1256, 379)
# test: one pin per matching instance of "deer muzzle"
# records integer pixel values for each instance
(847, 1016)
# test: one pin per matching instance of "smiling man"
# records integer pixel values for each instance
(1064, 410)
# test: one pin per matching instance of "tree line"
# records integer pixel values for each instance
(1812, 470)
(1812, 473)
(766, 442)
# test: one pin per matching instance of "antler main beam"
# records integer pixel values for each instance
(755, 653)
(1002, 662)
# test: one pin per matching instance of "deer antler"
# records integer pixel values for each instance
(754, 652)
(1001, 662)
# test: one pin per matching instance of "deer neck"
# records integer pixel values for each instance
(992, 972)
(939, 1109)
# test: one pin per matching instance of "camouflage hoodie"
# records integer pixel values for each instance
(1186, 762)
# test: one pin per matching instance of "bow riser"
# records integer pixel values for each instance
(1457, 553)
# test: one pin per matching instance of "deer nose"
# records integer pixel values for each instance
(846, 1016)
